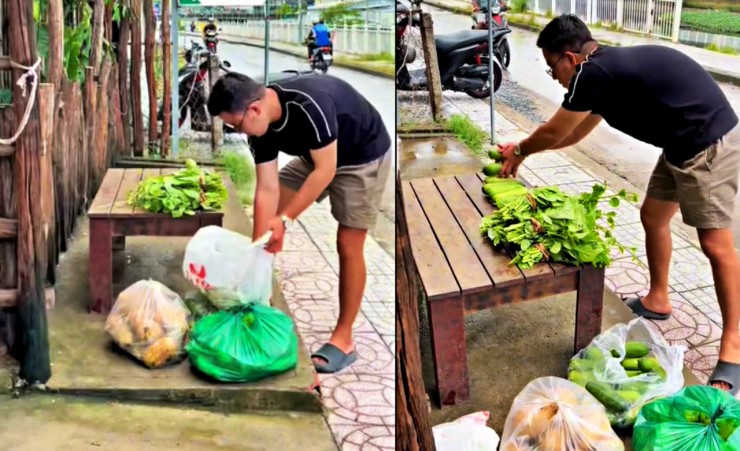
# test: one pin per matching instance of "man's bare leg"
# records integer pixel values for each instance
(718, 246)
(656, 218)
(352, 278)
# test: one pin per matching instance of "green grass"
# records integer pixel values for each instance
(726, 5)
(468, 133)
(721, 22)
(519, 6)
(6, 97)
(379, 65)
(726, 50)
(385, 56)
(242, 173)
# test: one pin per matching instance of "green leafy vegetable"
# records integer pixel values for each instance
(546, 224)
(182, 193)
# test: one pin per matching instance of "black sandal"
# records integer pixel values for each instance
(726, 372)
(638, 309)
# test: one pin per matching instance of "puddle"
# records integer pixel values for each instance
(432, 157)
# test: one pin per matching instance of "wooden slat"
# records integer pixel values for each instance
(106, 194)
(8, 228)
(472, 186)
(7, 150)
(495, 261)
(148, 173)
(5, 63)
(131, 178)
(434, 271)
(468, 270)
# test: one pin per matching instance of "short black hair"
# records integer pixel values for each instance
(232, 92)
(566, 33)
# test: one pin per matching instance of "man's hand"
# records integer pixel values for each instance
(277, 227)
(510, 163)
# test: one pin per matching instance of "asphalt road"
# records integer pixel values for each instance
(531, 92)
(378, 90)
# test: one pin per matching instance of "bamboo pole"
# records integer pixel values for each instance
(125, 101)
(149, 55)
(96, 46)
(56, 43)
(167, 73)
(47, 110)
(136, 107)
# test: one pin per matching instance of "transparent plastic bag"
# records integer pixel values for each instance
(553, 414)
(244, 344)
(698, 418)
(228, 267)
(601, 362)
(467, 433)
(150, 322)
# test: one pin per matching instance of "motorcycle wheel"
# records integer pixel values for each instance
(505, 52)
(486, 91)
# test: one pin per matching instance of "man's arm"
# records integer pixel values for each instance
(325, 167)
(553, 131)
(580, 132)
(266, 197)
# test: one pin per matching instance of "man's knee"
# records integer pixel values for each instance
(656, 214)
(350, 241)
(717, 244)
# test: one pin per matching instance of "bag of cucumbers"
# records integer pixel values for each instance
(626, 367)
(553, 414)
(698, 418)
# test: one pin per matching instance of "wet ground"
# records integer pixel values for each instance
(530, 92)
(432, 157)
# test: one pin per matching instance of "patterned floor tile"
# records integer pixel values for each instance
(530, 177)
(627, 278)
(689, 270)
(546, 160)
(360, 398)
(374, 358)
(580, 188)
(297, 240)
(296, 263)
(705, 300)
(633, 235)
(314, 316)
(627, 213)
(687, 326)
(353, 436)
(321, 285)
(564, 175)
(701, 360)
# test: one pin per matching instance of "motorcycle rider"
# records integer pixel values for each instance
(322, 37)
(210, 27)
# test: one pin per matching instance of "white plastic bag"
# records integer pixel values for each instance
(150, 322)
(608, 368)
(467, 433)
(228, 267)
(553, 414)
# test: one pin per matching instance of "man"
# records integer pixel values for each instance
(662, 97)
(322, 37)
(341, 145)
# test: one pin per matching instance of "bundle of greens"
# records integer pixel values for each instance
(181, 193)
(547, 224)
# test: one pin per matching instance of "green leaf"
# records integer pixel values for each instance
(614, 202)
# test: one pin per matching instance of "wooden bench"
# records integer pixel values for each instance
(461, 272)
(112, 219)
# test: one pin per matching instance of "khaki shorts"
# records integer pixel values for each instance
(704, 186)
(355, 192)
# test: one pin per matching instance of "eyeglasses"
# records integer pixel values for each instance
(550, 70)
(244, 116)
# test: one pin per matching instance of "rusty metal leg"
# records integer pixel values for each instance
(449, 349)
(589, 305)
(119, 243)
(100, 272)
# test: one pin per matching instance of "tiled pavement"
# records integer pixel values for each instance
(360, 399)
(696, 321)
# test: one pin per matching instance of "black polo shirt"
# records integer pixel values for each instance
(655, 94)
(317, 110)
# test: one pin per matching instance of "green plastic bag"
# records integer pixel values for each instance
(698, 418)
(244, 344)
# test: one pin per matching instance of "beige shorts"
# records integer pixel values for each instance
(704, 186)
(355, 192)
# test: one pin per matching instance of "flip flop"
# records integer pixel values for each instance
(336, 359)
(638, 309)
(726, 372)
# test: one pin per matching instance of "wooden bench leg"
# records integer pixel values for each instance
(447, 327)
(100, 272)
(589, 306)
(119, 243)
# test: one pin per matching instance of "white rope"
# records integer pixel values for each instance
(34, 80)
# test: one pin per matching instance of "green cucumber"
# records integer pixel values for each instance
(496, 179)
(581, 365)
(607, 396)
(631, 364)
(631, 396)
(580, 377)
(636, 386)
(492, 189)
(593, 353)
(648, 364)
(636, 349)
(502, 199)
(633, 373)
(495, 155)
(492, 169)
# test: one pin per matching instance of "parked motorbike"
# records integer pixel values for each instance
(480, 22)
(192, 96)
(462, 58)
(322, 59)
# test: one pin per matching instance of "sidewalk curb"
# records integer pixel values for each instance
(243, 41)
(718, 74)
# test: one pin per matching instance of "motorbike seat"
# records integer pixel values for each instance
(446, 43)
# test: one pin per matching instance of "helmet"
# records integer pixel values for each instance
(321, 20)
(211, 19)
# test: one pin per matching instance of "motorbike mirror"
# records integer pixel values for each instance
(226, 63)
(496, 10)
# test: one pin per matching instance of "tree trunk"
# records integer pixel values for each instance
(413, 425)
(167, 73)
(123, 69)
(33, 332)
(149, 55)
(54, 62)
(136, 111)
(96, 46)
